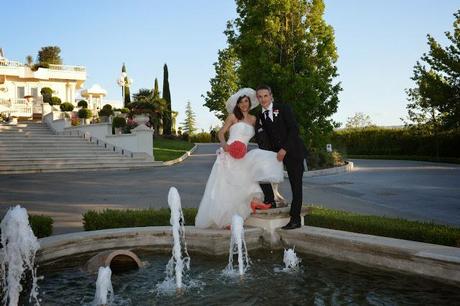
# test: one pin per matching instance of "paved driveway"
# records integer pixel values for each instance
(415, 190)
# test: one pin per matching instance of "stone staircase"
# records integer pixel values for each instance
(30, 147)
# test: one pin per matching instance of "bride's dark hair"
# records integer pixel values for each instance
(237, 111)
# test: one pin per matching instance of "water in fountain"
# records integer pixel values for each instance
(291, 261)
(237, 246)
(180, 258)
(17, 255)
(104, 290)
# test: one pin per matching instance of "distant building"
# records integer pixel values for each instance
(20, 86)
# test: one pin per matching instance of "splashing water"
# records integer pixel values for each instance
(17, 255)
(177, 263)
(237, 246)
(104, 290)
(291, 261)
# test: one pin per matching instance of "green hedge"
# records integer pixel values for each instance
(402, 142)
(320, 217)
(113, 218)
(384, 226)
(42, 226)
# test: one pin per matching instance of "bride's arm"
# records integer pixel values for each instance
(221, 134)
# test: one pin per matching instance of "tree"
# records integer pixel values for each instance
(29, 60)
(167, 97)
(435, 99)
(46, 93)
(146, 102)
(49, 55)
(223, 84)
(288, 45)
(188, 126)
(125, 89)
(156, 91)
(359, 120)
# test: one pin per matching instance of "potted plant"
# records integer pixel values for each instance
(82, 104)
(85, 114)
(118, 123)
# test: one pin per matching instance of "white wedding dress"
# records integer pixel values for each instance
(233, 183)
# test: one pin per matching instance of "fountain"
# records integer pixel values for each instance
(104, 290)
(17, 255)
(291, 262)
(177, 263)
(237, 246)
(326, 281)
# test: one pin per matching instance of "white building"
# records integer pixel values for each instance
(20, 86)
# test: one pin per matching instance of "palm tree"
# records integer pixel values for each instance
(146, 102)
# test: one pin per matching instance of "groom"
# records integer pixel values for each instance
(277, 131)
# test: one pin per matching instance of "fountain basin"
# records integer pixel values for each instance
(428, 260)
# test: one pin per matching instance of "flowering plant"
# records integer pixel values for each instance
(237, 149)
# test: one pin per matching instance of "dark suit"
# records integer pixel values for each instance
(283, 133)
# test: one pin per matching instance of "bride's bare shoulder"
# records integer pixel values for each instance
(252, 119)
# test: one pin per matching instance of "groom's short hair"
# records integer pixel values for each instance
(262, 87)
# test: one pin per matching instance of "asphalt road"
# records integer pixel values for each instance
(413, 190)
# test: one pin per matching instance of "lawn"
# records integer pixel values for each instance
(168, 149)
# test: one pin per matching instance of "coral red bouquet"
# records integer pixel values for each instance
(237, 149)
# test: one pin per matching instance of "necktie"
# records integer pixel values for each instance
(267, 116)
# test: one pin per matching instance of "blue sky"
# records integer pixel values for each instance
(378, 43)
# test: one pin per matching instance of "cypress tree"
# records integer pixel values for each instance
(126, 87)
(167, 97)
(156, 91)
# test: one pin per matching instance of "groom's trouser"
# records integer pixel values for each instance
(295, 169)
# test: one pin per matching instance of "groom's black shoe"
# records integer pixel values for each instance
(292, 225)
(272, 203)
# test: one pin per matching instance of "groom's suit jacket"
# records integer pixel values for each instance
(281, 133)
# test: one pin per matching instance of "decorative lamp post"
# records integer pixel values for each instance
(123, 82)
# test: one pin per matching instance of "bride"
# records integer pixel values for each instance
(233, 185)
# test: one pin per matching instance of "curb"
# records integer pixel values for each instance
(330, 171)
(180, 159)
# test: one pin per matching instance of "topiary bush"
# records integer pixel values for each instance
(106, 111)
(66, 107)
(113, 218)
(42, 226)
(46, 91)
(55, 101)
(83, 104)
(118, 122)
(201, 137)
(85, 113)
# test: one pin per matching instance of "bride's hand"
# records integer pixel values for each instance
(225, 147)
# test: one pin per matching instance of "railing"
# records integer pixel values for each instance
(96, 141)
(18, 107)
(67, 67)
(7, 63)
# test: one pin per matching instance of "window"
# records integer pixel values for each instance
(20, 92)
(34, 92)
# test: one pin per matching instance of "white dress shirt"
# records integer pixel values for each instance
(270, 111)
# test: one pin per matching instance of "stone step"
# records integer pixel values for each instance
(77, 167)
(80, 154)
(58, 163)
(33, 142)
(65, 160)
(55, 150)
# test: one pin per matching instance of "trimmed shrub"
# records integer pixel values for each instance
(383, 226)
(42, 226)
(85, 113)
(201, 137)
(66, 107)
(124, 110)
(83, 104)
(118, 122)
(397, 142)
(55, 101)
(106, 111)
(46, 91)
(113, 218)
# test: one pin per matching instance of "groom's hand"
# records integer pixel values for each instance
(280, 155)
